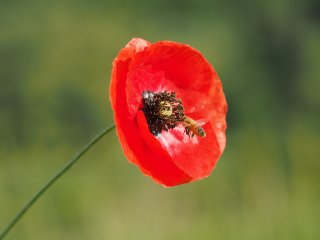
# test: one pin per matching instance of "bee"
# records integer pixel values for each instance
(192, 127)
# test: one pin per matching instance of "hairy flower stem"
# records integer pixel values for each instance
(52, 180)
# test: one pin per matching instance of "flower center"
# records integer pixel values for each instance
(163, 111)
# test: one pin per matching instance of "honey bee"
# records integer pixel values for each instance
(192, 127)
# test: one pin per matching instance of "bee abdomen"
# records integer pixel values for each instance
(191, 127)
(200, 131)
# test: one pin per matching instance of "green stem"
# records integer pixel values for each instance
(51, 181)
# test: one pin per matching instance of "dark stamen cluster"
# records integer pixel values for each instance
(162, 110)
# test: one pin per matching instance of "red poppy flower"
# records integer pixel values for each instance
(169, 110)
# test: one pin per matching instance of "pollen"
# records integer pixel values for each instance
(163, 110)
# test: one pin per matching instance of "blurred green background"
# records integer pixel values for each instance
(55, 64)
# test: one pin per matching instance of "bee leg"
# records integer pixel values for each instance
(188, 132)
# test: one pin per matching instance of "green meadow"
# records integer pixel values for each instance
(55, 66)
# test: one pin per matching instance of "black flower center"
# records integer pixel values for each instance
(163, 111)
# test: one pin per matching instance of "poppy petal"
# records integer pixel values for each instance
(133, 144)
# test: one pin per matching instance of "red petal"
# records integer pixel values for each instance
(195, 156)
(173, 67)
(156, 164)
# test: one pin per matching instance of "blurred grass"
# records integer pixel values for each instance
(55, 63)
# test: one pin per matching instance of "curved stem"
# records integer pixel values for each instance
(52, 180)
